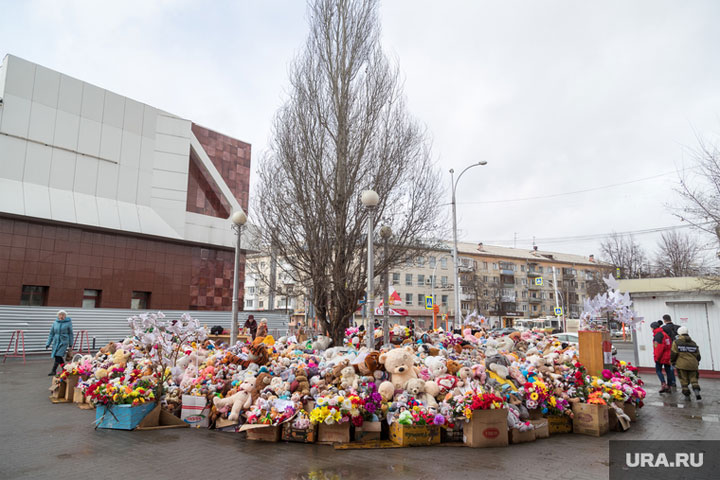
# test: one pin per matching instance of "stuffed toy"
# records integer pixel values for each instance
(258, 355)
(303, 386)
(121, 357)
(446, 383)
(453, 367)
(348, 378)
(469, 337)
(416, 388)
(109, 349)
(505, 344)
(188, 377)
(479, 372)
(513, 419)
(242, 400)
(336, 372)
(399, 363)
(262, 381)
(465, 376)
(495, 362)
(322, 343)
(436, 365)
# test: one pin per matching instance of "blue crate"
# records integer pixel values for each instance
(121, 417)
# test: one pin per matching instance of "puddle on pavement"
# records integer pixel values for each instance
(665, 404)
(347, 473)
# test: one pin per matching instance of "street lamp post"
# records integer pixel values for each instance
(238, 219)
(434, 280)
(385, 234)
(454, 182)
(370, 199)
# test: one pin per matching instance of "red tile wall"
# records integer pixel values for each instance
(203, 195)
(70, 259)
(231, 157)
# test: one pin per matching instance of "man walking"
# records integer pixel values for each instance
(669, 329)
(685, 355)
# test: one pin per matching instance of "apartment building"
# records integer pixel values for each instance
(500, 283)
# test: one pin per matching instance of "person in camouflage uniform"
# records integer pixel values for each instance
(685, 356)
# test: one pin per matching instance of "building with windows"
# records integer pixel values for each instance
(500, 283)
(108, 202)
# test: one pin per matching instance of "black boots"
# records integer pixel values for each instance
(697, 393)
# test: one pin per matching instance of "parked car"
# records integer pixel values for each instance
(616, 333)
(572, 339)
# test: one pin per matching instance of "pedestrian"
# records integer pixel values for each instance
(661, 354)
(262, 330)
(61, 338)
(670, 329)
(685, 356)
(251, 325)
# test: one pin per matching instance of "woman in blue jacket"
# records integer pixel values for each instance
(61, 338)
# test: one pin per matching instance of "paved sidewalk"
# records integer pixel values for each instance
(41, 440)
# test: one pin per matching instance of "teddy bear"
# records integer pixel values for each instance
(399, 363)
(121, 357)
(436, 365)
(497, 363)
(336, 372)
(416, 388)
(453, 367)
(465, 376)
(322, 343)
(348, 378)
(188, 377)
(241, 400)
(514, 421)
(303, 386)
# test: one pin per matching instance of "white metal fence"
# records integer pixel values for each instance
(107, 324)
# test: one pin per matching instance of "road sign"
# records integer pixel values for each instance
(538, 281)
(558, 311)
(428, 302)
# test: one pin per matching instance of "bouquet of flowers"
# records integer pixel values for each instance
(337, 409)
(536, 395)
(264, 412)
(133, 385)
(372, 401)
(420, 416)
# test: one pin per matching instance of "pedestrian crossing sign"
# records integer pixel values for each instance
(558, 311)
(428, 302)
(538, 281)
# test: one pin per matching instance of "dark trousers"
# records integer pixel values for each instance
(688, 377)
(59, 360)
(668, 371)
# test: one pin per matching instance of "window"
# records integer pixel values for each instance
(524, 308)
(91, 299)
(140, 300)
(421, 261)
(495, 266)
(552, 295)
(524, 282)
(261, 304)
(34, 295)
(485, 278)
(443, 262)
(421, 279)
(396, 279)
(534, 308)
(444, 300)
(443, 281)
(421, 299)
(409, 262)
(484, 265)
(524, 294)
(408, 279)
(540, 269)
(431, 262)
(249, 303)
(408, 299)
(522, 268)
(250, 290)
(432, 280)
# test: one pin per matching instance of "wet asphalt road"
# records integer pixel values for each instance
(42, 440)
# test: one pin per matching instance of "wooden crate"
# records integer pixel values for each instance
(414, 435)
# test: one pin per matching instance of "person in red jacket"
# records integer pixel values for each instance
(661, 353)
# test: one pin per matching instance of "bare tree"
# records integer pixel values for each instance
(699, 189)
(679, 255)
(344, 129)
(625, 253)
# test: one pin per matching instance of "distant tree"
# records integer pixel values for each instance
(626, 254)
(344, 129)
(699, 189)
(678, 255)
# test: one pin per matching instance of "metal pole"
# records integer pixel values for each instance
(456, 318)
(370, 327)
(236, 274)
(557, 299)
(386, 299)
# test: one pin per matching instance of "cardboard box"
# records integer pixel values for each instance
(159, 418)
(78, 396)
(414, 435)
(590, 419)
(630, 410)
(486, 428)
(121, 417)
(71, 382)
(542, 429)
(368, 431)
(516, 436)
(57, 389)
(262, 433)
(535, 414)
(224, 423)
(300, 435)
(452, 435)
(195, 411)
(560, 424)
(334, 433)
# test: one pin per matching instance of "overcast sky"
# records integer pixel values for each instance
(557, 96)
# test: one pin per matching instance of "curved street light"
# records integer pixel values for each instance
(238, 218)
(370, 199)
(458, 316)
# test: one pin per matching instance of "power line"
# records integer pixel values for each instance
(574, 192)
(596, 236)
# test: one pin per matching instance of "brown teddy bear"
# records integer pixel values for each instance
(453, 367)
(303, 385)
(263, 380)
